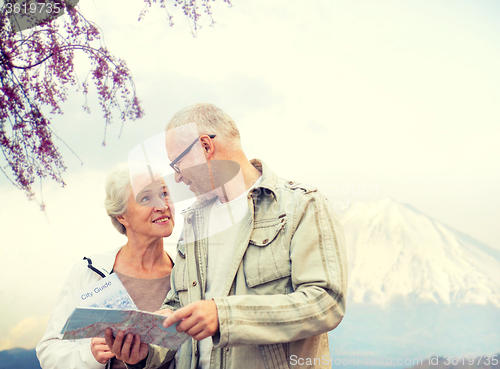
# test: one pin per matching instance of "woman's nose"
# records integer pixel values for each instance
(159, 204)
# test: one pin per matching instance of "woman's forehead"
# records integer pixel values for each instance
(145, 182)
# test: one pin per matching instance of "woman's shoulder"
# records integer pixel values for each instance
(100, 264)
(89, 270)
(103, 261)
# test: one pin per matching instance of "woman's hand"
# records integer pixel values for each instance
(130, 350)
(100, 350)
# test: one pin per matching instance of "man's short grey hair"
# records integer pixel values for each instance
(117, 193)
(210, 120)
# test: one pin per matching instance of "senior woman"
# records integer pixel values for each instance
(141, 264)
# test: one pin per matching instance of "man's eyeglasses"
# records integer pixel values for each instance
(184, 153)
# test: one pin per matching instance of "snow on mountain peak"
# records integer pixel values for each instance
(395, 251)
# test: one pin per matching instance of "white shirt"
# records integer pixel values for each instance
(223, 229)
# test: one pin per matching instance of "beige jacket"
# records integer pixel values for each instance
(286, 286)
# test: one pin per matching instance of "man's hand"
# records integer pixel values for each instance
(100, 350)
(165, 311)
(198, 319)
(129, 350)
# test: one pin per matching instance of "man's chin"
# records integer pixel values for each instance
(205, 196)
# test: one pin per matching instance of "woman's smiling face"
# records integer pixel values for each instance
(150, 213)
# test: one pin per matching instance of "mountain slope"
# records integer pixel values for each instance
(19, 358)
(395, 252)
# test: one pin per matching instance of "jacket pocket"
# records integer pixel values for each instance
(267, 258)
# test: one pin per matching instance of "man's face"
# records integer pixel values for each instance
(193, 166)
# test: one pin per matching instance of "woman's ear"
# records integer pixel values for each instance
(122, 220)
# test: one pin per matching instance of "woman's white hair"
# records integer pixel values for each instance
(117, 193)
(209, 119)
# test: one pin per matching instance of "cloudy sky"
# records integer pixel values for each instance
(364, 99)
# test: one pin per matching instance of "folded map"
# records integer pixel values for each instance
(86, 322)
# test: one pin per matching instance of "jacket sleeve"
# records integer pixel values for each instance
(52, 351)
(172, 301)
(157, 357)
(318, 273)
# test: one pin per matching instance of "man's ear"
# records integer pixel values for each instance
(208, 147)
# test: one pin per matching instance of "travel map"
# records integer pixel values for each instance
(86, 322)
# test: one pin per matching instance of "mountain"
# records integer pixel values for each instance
(417, 288)
(395, 251)
(19, 358)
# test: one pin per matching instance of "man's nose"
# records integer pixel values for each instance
(178, 177)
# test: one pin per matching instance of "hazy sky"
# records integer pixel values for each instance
(364, 99)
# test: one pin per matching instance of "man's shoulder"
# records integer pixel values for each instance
(286, 189)
(297, 186)
(270, 180)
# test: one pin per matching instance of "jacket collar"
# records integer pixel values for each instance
(105, 261)
(268, 184)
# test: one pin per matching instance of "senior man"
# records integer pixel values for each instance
(261, 271)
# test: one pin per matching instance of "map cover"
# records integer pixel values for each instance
(108, 292)
(87, 322)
